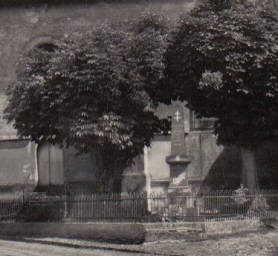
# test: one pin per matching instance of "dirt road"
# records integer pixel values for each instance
(18, 248)
(252, 244)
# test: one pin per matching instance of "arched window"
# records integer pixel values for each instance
(43, 44)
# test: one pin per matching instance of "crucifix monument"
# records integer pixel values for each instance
(178, 160)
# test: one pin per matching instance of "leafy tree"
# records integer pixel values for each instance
(224, 62)
(93, 91)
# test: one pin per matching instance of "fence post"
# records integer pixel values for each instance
(65, 207)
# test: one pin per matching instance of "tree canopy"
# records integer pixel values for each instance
(224, 62)
(93, 90)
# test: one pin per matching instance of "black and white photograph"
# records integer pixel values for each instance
(139, 127)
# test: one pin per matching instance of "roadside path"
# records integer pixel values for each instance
(20, 248)
(252, 244)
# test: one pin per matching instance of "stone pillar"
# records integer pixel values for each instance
(178, 161)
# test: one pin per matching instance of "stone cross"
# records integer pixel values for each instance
(177, 116)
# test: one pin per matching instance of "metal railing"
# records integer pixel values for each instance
(133, 207)
(10, 206)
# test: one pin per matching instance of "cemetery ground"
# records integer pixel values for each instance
(262, 243)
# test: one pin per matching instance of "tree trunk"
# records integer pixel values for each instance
(249, 170)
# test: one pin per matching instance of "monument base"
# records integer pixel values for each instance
(182, 190)
(180, 195)
(181, 203)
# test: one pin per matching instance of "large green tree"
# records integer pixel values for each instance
(223, 60)
(93, 91)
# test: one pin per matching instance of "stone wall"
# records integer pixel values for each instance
(18, 163)
(202, 150)
(217, 228)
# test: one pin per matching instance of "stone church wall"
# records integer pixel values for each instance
(24, 27)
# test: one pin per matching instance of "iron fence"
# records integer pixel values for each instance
(132, 207)
(10, 206)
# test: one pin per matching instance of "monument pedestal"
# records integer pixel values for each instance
(178, 188)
